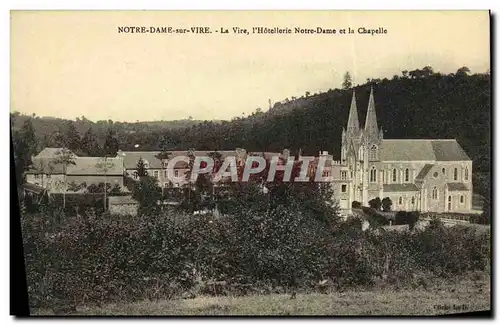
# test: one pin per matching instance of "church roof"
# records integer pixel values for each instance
(353, 121)
(419, 149)
(371, 126)
(425, 170)
(457, 187)
(53, 152)
(400, 188)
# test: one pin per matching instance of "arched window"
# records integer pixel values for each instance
(443, 170)
(435, 193)
(372, 155)
(461, 199)
(407, 175)
(400, 201)
(373, 175)
(455, 174)
(394, 175)
(412, 200)
(466, 174)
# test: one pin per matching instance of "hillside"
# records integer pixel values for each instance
(418, 104)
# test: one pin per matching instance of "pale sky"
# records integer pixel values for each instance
(69, 64)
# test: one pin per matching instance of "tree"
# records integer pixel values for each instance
(463, 72)
(375, 203)
(164, 155)
(141, 168)
(24, 144)
(111, 144)
(64, 157)
(147, 193)
(71, 137)
(89, 144)
(386, 204)
(356, 205)
(347, 83)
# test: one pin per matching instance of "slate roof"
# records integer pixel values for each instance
(131, 158)
(52, 153)
(400, 188)
(83, 166)
(419, 149)
(425, 170)
(457, 187)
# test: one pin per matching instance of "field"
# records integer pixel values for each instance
(468, 294)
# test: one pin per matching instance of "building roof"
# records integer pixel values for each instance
(53, 152)
(423, 172)
(33, 188)
(457, 187)
(121, 200)
(421, 149)
(83, 166)
(131, 158)
(400, 188)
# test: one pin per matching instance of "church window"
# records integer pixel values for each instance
(449, 202)
(434, 193)
(344, 188)
(466, 174)
(455, 174)
(156, 174)
(444, 171)
(373, 175)
(412, 200)
(343, 175)
(400, 201)
(394, 175)
(461, 199)
(435, 175)
(136, 175)
(373, 153)
(407, 175)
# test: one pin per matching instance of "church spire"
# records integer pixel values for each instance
(371, 127)
(353, 122)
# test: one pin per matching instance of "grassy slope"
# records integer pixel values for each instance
(473, 293)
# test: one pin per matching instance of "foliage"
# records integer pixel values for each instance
(409, 218)
(147, 193)
(89, 259)
(356, 205)
(141, 168)
(24, 146)
(375, 203)
(347, 83)
(386, 204)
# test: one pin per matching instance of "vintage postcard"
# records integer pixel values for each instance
(252, 162)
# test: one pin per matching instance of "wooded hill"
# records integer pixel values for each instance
(416, 104)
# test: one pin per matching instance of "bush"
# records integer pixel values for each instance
(356, 205)
(90, 259)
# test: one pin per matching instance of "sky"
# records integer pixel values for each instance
(71, 64)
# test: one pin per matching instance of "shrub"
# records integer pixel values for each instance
(89, 259)
(356, 205)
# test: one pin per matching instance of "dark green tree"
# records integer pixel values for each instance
(141, 168)
(375, 203)
(25, 145)
(71, 137)
(111, 144)
(89, 144)
(386, 204)
(347, 82)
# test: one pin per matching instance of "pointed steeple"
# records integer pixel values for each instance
(353, 122)
(371, 127)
